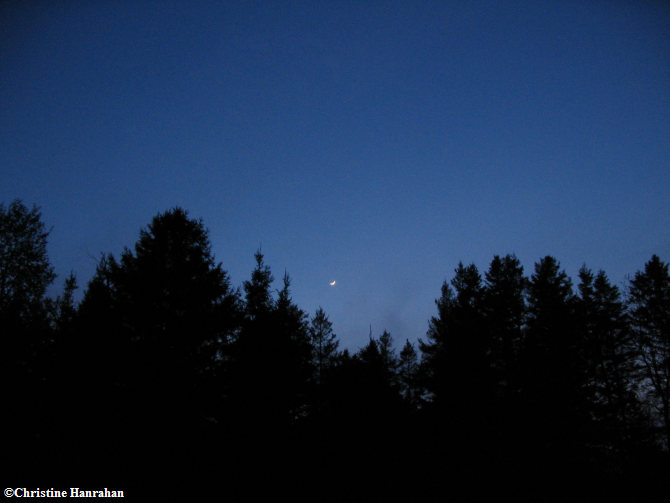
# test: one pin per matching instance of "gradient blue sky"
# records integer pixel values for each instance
(372, 143)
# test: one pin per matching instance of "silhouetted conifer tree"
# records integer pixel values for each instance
(408, 367)
(504, 311)
(151, 326)
(324, 342)
(454, 366)
(553, 368)
(387, 354)
(376, 380)
(649, 311)
(380, 368)
(177, 305)
(65, 308)
(452, 355)
(258, 297)
(618, 421)
(292, 356)
(270, 362)
(100, 346)
(250, 354)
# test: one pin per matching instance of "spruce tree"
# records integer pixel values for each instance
(408, 366)
(292, 356)
(452, 356)
(453, 370)
(250, 355)
(324, 342)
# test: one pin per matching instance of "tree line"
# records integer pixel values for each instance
(164, 366)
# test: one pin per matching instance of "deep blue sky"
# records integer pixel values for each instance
(372, 143)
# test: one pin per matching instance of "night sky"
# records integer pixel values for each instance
(371, 143)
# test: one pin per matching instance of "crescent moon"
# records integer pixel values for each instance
(332, 283)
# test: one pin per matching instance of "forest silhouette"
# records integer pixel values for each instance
(165, 374)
